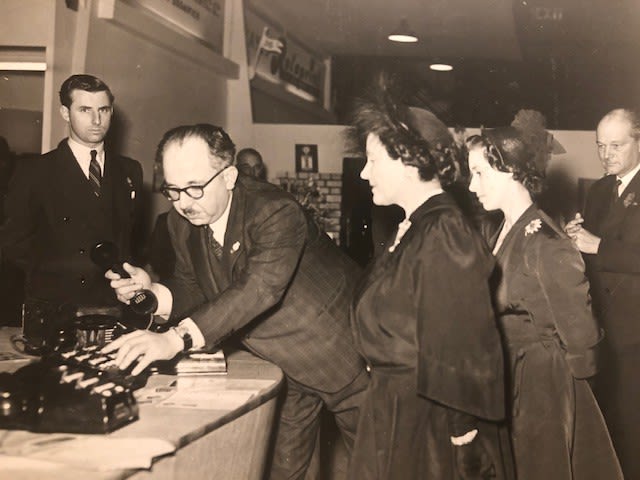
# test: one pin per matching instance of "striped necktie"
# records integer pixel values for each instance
(213, 243)
(95, 176)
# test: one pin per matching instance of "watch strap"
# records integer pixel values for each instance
(184, 334)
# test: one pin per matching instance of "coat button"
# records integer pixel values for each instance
(368, 368)
(65, 219)
(83, 281)
(82, 250)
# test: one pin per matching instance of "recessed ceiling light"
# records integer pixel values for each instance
(403, 33)
(397, 37)
(441, 67)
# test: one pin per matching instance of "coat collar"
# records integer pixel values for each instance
(530, 214)
(633, 188)
(629, 201)
(120, 187)
(234, 243)
(436, 202)
(234, 240)
(382, 262)
(199, 248)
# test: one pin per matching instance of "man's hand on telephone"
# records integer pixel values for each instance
(126, 288)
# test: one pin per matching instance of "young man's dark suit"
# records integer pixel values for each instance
(53, 219)
(614, 274)
(289, 287)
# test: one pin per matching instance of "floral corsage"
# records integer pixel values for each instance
(533, 227)
(629, 200)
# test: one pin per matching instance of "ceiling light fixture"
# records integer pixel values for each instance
(441, 67)
(403, 33)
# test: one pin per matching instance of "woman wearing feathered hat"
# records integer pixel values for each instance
(543, 307)
(422, 317)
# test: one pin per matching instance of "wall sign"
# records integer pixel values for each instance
(204, 19)
(280, 59)
(306, 158)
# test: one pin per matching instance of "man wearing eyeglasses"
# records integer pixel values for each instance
(609, 237)
(59, 205)
(248, 259)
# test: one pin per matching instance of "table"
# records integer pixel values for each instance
(217, 443)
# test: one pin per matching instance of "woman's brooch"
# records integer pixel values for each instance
(235, 247)
(629, 200)
(533, 227)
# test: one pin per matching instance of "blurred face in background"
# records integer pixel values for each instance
(490, 186)
(385, 175)
(619, 152)
(89, 117)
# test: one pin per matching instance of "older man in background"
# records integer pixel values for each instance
(609, 237)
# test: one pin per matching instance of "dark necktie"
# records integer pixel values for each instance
(95, 177)
(213, 243)
(615, 195)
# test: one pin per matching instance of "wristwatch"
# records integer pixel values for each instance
(183, 333)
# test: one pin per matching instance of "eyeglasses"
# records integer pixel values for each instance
(194, 191)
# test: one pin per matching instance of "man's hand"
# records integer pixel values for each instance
(145, 347)
(126, 288)
(586, 241)
(573, 226)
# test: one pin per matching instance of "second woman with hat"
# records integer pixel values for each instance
(544, 314)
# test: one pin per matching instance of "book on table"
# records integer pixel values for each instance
(198, 362)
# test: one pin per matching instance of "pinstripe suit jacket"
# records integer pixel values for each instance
(279, 278)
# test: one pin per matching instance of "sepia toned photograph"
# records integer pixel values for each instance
(441, 284)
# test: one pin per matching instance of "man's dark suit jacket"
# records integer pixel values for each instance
(614, 272)
(53, 219)
(279, 277)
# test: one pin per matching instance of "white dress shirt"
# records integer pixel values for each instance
(83, 156)
(626, 179)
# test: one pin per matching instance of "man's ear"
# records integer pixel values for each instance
(230, 176)
(64, 111)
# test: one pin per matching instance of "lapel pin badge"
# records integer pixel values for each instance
(235, 247)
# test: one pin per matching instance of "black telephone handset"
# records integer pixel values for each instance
(106, 256)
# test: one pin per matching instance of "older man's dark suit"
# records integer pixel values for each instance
(290, 287)
(53, 219)
(614, 274)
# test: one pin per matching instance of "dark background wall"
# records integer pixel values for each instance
(574, 67)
